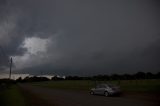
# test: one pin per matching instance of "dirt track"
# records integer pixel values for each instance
(81, 98)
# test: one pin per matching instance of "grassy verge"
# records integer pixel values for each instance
(68, 84)
(152, 86)
(11, 97)
(34, 99)
(126, 85)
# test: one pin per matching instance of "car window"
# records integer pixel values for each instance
(101, 86)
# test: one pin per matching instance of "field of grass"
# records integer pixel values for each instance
(11, 96)
(152, 85)
(68, 84)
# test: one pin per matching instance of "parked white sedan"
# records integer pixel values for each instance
(105, 89)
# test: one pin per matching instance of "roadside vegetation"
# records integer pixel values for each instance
(138, 82)
(11, 96)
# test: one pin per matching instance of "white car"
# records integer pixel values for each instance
(105, 89)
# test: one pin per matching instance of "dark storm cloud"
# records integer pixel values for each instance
(11, 35)
(20, 20)
(101, 37)
(91, 36)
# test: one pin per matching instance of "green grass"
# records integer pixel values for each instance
(12, 97)
(126, 85)
(69, 85)
(140, 85)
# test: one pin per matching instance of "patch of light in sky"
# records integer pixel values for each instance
(35, 45)
(36, 48)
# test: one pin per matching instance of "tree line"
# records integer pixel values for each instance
(136, 76)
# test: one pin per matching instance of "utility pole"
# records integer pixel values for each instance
(10, 72)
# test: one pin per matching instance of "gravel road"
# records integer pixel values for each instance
(81, 98)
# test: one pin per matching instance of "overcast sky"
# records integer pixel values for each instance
(80, 37)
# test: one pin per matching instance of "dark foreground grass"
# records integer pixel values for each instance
(14, 95)
(141, 86)
(11, 96)
(152, 85)
(34, 99)
(67, 84)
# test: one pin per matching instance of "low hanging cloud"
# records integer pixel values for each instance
(80, 37)
(36, 52)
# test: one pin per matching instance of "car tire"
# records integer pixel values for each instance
(106, 94)
(92, 93)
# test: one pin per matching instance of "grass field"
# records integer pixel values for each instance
(152, 85)
(11, 97)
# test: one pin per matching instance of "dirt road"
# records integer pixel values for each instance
(81, 98)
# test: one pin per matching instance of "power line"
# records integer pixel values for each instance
(10, 72)
(10, 61)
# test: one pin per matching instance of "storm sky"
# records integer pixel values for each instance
(80, 37)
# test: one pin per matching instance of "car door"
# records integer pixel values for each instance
(99, 89)
(102, 89)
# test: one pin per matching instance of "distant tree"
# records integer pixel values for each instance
(56, 78)
(115, 77)
(86, 78)
(74, 78)
(105, 77)
(35, 79)
(140, 75)
(127, 77)
(19, 79)
(149, 75)
(101, 77)
(157, 76)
